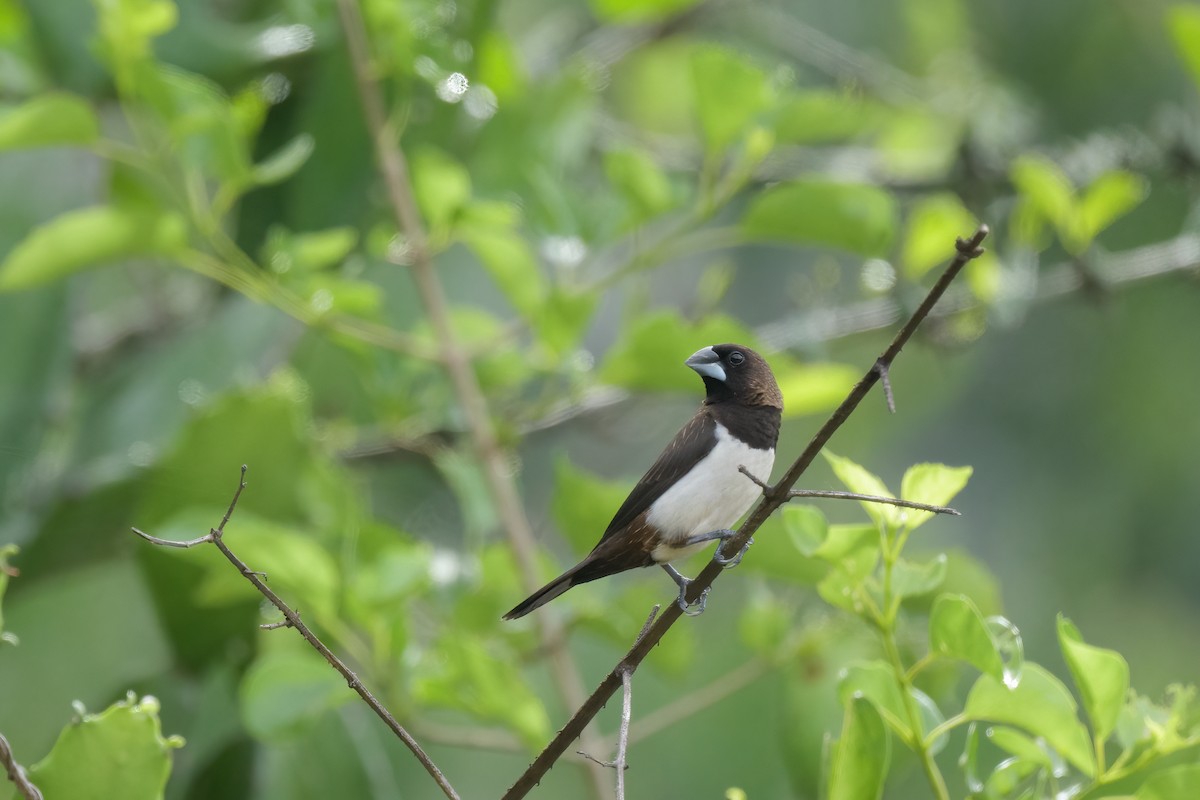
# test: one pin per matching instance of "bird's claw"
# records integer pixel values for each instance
(732, 561)
(695, 608)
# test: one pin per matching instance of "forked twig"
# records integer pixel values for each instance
(773, 497)
(292, 620)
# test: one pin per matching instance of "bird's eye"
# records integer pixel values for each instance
(736, 358)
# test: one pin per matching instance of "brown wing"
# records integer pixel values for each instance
(693, 442)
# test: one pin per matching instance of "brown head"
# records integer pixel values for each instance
(737, 374)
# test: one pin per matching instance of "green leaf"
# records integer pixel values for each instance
(286, 252)
(508, 259)
(958, 630)
(127, 28)
(811, 388)
(876, 681)
(730, 93)
(861, 755)
(283, 691)
(642, 182)
(284, 162)
(776, 554)
(1047, 188)
(1039, 704)
(1177, 783)
(860, 481)
(806, 526)
(935, 484)
(1183, 20)
(54, 119)
(858, 218)
(296, 565)
(1102, 677)
(1008, 777)
(1109, 197)
(583, 504)
(119, 752)
(933, 225)
(910, 579)
(469, 674)
(442, 186)
(853, 550)
(853, 545)
(651, 349)
(205, 131)
(820, 116)
(1018, 744)
(89, 237)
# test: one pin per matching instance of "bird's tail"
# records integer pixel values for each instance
(544, 595)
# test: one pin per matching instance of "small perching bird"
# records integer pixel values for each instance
(695, 489)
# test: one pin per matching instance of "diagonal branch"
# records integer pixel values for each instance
(773, 498)
(394, 170)
(292, 620)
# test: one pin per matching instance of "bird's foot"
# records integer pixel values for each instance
(693, 609)
(732, 561)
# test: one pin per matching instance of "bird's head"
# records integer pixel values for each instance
(733, 373)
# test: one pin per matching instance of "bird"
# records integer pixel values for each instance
(696, 488)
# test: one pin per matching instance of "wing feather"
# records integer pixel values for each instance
(693, 442)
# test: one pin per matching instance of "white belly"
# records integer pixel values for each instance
(714, 495)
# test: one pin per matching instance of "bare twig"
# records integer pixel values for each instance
(773, 498)
(501, 484)
(873, 498)
(292, 620)
(627, 711)
(16, 773)
(865, 498)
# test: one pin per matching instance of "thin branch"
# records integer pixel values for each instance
(830, 494)
(873, 498)
(393, 167)
(16, 773)
(292, 620)
(772, 499)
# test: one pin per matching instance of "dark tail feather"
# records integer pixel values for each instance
(542, 596)
(573, 577)
(598, 564)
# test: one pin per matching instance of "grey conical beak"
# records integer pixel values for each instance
(707, 363)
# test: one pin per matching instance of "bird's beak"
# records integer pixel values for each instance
(707, 363)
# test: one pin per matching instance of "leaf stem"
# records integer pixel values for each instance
(887, 630)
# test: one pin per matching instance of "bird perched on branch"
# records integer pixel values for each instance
(695, 490)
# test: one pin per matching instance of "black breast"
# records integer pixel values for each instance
(757, 426)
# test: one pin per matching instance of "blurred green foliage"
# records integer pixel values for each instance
(200, 270)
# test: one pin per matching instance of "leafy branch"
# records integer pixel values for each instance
(773, 497)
